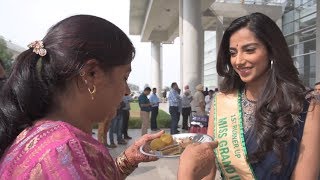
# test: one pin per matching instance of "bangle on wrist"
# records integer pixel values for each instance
(124, 166)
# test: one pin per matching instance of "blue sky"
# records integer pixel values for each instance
(23, 21)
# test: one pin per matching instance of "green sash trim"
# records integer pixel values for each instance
(215, 130)
(243, 142)
(231, 154)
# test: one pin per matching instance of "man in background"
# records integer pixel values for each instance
(145, 108)
(126, 115)
(154, 100)
(186, 107)
(174, 101)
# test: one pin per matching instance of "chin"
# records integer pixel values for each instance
(246, 79)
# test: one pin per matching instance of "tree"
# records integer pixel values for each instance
(5, 55)
(133, 87)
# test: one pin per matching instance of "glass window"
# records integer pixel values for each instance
(306, 65)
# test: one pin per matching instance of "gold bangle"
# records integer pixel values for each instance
(124, 166)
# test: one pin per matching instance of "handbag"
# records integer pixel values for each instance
(199, 124)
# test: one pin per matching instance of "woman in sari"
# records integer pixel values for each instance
(265, 127)
(59, 87)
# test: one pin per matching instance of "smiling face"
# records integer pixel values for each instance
(248, 56)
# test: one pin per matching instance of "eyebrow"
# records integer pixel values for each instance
(246, 45)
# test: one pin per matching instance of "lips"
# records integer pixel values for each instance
(244, 71)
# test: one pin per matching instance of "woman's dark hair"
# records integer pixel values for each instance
(282, 95)
(29, 93)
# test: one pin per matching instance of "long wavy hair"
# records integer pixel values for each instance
(282, 96)
(35, 81)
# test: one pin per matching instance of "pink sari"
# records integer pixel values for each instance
(56, 150)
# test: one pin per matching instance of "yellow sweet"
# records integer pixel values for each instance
(167, 138)
(157, 144)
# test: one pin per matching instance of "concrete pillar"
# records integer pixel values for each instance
(156, 66)
(279, 23)
(219, 35)
(201, 47)
(192, 37)
(318, 44)
(181, 42)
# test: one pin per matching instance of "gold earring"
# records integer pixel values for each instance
(92, 91)
(82, 73)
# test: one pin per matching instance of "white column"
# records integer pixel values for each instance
(219, 35)
(181, 42)
(192, 37)
(279, 23)
(318, 44)
(201, 54)
(156, 66)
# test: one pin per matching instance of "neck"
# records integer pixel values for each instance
(73, 113)
(253, 90)
(78, 123)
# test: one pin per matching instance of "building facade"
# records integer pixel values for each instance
(210, 60)
(299, 28)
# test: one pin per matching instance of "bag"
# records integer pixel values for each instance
(199, 124)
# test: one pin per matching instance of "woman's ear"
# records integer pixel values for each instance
(90, 77)
(90, 73)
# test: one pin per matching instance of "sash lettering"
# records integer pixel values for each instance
(231, 153)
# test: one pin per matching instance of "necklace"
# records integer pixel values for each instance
(245, 95)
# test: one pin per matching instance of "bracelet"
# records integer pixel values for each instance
(124, 166)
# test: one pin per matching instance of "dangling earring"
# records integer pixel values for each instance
(92, 91)
(271, 64)
(82, 73)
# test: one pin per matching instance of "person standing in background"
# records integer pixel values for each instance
(179, 107)
(186, 108)
(198, 104)
(206, 92)
(145, 107)
(154, 100)
(126, 115)
(116, 127)
(164, 96)
(102, 132)
(208, 100)
(174, 99)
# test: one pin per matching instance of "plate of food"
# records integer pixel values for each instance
(168, 146)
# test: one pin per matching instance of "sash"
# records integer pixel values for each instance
(231, 154)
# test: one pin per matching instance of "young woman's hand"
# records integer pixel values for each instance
(196, 161)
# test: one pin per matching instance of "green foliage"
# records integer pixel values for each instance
(5, 55)
(134, 106)
(163, 121)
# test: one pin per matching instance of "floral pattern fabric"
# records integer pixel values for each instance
(56, 150)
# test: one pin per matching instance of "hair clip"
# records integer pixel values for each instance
(38, 48)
